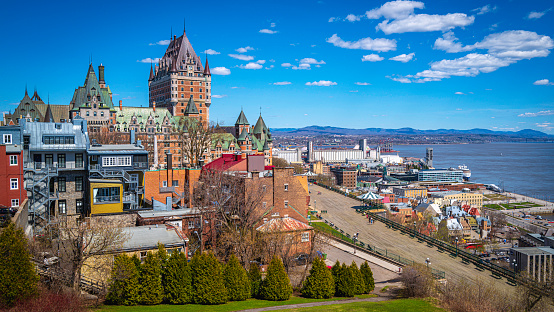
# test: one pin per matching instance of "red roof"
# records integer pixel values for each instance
(285, 224)
(225, 162)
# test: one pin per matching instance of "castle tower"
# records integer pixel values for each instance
(177, 77)
(241, 124)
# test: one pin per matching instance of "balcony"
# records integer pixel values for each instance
(167, 189)
(42, 166)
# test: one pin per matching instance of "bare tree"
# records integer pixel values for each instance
(195, 139)
(79, 241)
(498, 221)
(104, 136)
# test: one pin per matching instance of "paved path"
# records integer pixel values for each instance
(342, 213)
(317, 304)
(364, 256)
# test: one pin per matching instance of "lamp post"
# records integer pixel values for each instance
(456, 246)
(427, 261)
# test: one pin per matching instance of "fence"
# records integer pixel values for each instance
(496, 270)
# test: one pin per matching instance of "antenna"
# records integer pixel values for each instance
(184, 25)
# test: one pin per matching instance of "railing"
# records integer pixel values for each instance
(167, 189)
(57, 166)
(108, 198)
(140, 165)
(466, 256)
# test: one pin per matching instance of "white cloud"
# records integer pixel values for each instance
(272, 25)
(260, 61)
(270, 67)
(425, 22)
(302, 66)
(517, 44)
(363, 83)
(252, 65)
(459, 93)
(485, 9)
(448, 43)
(310, 60)
(395, 10)
(332, 19)
(286, 64)
(543, 82)
(545, 125)
(321, 83)
(404, 58)
(242, 57)
(211, 52)
(401, 79)
(372, 58)
(282, 83)
(379, 44)
(536, 15)
(352, 18)
(161, 42)
(268, 31)
(218, 96)
(353, 91)
(541, 113)
(244, 50)
(220, 71)
(149, 60)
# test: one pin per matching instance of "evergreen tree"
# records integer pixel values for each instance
(137, 263)
(19, 280)
(368, 277)
(276, 285)
(255, 280)
(320, 283)
(207, 280)
(124, 282)
(359, 284)
(345, 286)
(336, 271)
(236, 280)
(162, 254)
(177, 279)
(152, 291)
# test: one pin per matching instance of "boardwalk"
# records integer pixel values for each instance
(341, 212)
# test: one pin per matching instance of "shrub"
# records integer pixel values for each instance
(162, 254)
(320, 283)
(177, 279)
(359, 284)
(336, 270)
(207, 280)
(236, 280)
(367, 275)
(18, 278)
(124, 282)
(417, 281)
(345, 286)
(276, 285)
(152, 291)
(255, 280)
(51, 301)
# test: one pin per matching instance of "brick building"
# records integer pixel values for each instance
(11, 168)
(345, 177)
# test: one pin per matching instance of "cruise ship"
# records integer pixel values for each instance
(466, 171)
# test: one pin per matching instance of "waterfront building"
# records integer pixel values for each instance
(440, 175)
(442, 198)
(178, 76)
(411, 192)
(333, 155)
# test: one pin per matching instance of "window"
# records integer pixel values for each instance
(102, 114)
(105, 194)
(15, 202)
(116, 161)
(264, 205)
(286, 187)
(79, 205)
(62, 208)
(78, 184)
(286, 204)
(191, 224)
(164, 183)
(61, 184)
(175, 183)
(61, 160)
(79, 161)
(95, 114)
(88, 114)
(13, 160)
(14, 185)
(7, 139)
(49, 160)
(143, 255)
(305, 237)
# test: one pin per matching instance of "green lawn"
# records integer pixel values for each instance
(330, 230)
(230, 306)
(412, 305)
(493, 206)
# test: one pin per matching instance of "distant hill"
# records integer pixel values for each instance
(327, 130)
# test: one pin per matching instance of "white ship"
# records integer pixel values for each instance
(466, 172)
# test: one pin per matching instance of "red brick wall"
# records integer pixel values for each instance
(8, 172)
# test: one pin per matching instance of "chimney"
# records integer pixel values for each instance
(154, 106)
(101, 74)
(132, 136)
(120, 105)
(169, 167)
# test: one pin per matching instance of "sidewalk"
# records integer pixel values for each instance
(366, 256)
(317, 304)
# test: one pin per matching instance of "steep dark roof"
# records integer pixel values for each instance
(260, 126)
(207, 68)
(83, 95)
(191, 107)
(242, 119)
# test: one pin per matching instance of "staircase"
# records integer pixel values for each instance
(37, 184)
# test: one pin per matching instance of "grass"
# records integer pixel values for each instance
(324, 227)
(412, 305)
(384, 288)
(230, 306)
(494, 206)
(512, 206)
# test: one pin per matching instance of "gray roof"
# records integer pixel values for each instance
(534, 250)
(105, 181)
(148, 236)
(116, 149)
(172, 213)
(37, 130)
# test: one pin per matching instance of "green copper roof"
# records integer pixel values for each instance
(243, 135)
(191, 107)
(242, 119)
(225, 139)
(91, 92)
(143, 117)
(260, 126)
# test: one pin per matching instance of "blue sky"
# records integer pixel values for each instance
(357, 64)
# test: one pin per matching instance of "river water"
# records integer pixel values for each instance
(522, 168)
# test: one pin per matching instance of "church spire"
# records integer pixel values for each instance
(151, 72)
(207, 67)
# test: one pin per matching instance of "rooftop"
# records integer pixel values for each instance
(148, 236)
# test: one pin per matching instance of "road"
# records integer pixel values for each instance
(341, 211)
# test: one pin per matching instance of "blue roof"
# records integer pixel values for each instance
(36, 131)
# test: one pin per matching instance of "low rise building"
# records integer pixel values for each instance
(440, 175)
(412, 192)
(536, 262)
(345, 177)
